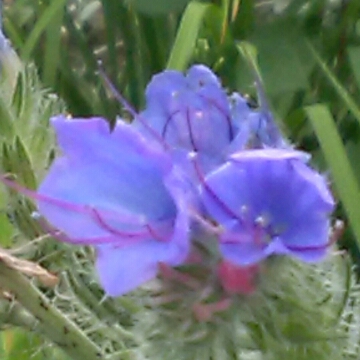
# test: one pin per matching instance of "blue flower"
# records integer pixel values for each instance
(218, 160)
(116, 192)
(268, 201)
(254, 129)
(190, 113)
(193, 114)
(265, 131)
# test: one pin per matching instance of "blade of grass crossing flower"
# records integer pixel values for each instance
(187, 35)
(340, 89)
(335, 155)
(44, 21)
(249, 52)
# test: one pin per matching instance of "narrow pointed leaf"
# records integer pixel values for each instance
(187, 35)
(335, 155)
(340, 89)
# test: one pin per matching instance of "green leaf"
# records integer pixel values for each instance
(187, 35)
(250, 53)
(6, 228)
(157, 7)
(52, 49)
(2, 344)
(44, 21)
(335, 154)
(340, 89)
(21, 161)
(6, 116)
(354, 57)
(21, 346)
(282, 56)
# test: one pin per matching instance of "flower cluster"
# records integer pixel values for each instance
(195, 164)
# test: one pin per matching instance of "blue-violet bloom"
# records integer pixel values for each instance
(268, 201)
(254, 128)
(114, 191)
(190, 113)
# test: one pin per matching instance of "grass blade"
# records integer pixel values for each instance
(346, 185)
(52, 49)
(44, 21)
(340, 89)
(187, 35)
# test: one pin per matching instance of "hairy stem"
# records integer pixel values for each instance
(50, 321)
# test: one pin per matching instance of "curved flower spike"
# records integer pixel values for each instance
(191, 113)
(116, 192)
(268, 202)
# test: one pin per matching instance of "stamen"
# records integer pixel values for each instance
(212, 227)
(169, 273)
(227, 117)
(212, 193)
(199, 115)
(57, 234)
(260, 236)
(77, 208)
(141, 235)
(85, 210)
(155, 234)
(114, 91)
(191, 135)
(127, 106)
(251, 234)
(40, 197)
(204, 311)
(262, 221)
(244, 209)
(100, 221)
(167, 122)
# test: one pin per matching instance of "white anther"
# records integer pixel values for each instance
(35, 215)
(199, 114)
(262, 221)
(244, 209)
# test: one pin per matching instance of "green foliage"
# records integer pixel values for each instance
(339, 164)
(157, 7)
(187, 35)
(298, 312)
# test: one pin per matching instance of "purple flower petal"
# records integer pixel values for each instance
(189, 112)
(112, 172)
(269, 201)
(118, 192)
(122, 269)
